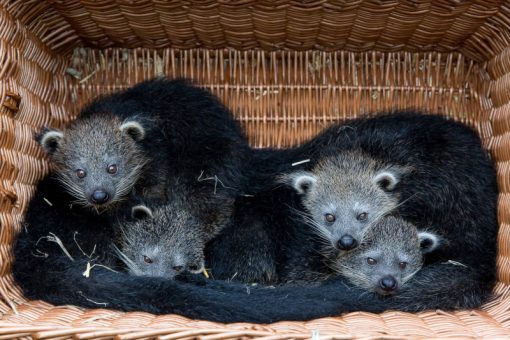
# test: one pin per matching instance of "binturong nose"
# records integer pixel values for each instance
(192, 268)
(99, 197)
(388, 283)
(347, 242)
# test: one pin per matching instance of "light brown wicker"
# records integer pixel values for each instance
(287, 69)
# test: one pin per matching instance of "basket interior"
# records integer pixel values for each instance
(287, 69)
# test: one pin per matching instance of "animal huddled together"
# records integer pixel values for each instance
(157, 203)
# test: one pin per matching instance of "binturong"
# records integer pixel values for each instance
(391, 253)
(168, 238)
(343, 195)
(98, 159)
(162, 242)
(130, 143)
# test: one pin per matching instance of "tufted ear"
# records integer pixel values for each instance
(133, 129)
(387, 179)
(49, 139)
(141, 212)
(302, 181)
(428, 241)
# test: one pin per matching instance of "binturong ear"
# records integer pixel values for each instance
(429, 242)
(49, 139)
(133, 129)
(387, 179)
(303, 182)
(141, 212)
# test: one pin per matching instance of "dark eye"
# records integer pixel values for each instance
(402, 265)
(147, 259)
(371, 261)
(81, 173)
(362, 217)
(112, 169)
(329, 218)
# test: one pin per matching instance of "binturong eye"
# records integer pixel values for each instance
(81, 173)
(112, 169)
(362, 217)
(402, 265)
(330, 218)
(371, 261)
(147, 259)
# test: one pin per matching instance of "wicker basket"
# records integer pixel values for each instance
(287, 69)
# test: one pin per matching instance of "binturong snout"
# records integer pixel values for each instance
(99, 196)
(388, 284)
(347, 242)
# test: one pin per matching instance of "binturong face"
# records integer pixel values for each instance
(98, 159)
(163, 242)
(344, 195)
(391, 253)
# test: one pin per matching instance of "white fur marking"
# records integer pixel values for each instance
(303, 182)
(388, 176)
(432, 238)
(133, 128)
(141, 208)
(200, 270)
(49, 137)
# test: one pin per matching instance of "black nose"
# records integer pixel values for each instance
(196, 267)
(347, 242)
(99, 196)
(388, 283)
(193, 267)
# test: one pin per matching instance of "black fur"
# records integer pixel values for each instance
(45, 272)
(462, 209)
(175, 232)
(187, 129)
(452, 192)
(59, 280)
(254, 247)
(187, 133)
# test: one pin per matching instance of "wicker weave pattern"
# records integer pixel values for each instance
(29, 99)
(281, 98)
(360, 25)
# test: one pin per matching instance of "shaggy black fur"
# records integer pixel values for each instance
(187, 129)
(452, 192)
(44, 271)
(456, 188)
(187, 133)
(59, 280)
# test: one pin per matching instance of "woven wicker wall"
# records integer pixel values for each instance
(473, 27)
(283, 98)
(287, 69)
